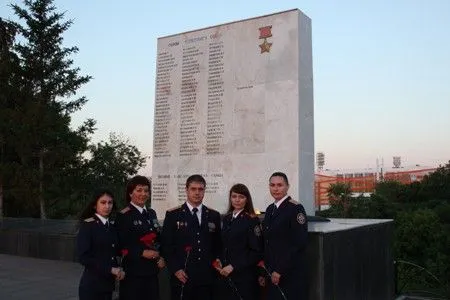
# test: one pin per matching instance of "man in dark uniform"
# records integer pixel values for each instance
(139, 233)
(285, 231)
(191, 242)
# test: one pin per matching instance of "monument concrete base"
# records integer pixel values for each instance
(351, 259)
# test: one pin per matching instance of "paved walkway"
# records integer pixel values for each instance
(38, 279)
(25, 278)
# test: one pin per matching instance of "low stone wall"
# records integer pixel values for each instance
(351, 259)
(48, 239)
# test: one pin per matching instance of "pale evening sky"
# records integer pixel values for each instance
(381, 70)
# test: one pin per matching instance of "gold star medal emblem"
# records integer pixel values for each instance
(265, 33)
(265, 46)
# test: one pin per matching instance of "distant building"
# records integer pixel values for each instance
(363, 181)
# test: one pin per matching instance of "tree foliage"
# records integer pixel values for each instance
(47, 167)
(9, 77)
(421, 212)
(46, 140)
(114, 161)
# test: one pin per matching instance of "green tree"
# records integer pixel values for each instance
(113, 162)
(9, 83)
(421, 212)
(390, 190)
(340, 197)
(115, 159)
(46, 141)
(420, 239)
(106, 164)
(67, 187)
(436, 185)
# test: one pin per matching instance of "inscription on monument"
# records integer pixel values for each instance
(189, 123)
(163, 110)
(215, 125)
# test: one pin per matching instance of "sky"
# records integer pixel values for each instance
(381, 70)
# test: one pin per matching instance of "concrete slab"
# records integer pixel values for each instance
(38, 279)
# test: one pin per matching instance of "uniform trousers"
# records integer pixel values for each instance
(139, 288)
(246, 290)
(86, 293)
(293, 288)
(203, 292)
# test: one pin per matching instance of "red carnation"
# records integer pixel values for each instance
(148, 239)
(217, 264)
(124, 253)
(187, 249)
(262, 265)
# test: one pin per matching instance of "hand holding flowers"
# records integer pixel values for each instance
(274, 277)
(225, 271)
(149, 241)
(181, 274)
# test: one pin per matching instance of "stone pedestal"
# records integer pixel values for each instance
(351, 259)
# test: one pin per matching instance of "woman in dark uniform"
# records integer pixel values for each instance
(242, 247)
(97, 249)
(139, 233)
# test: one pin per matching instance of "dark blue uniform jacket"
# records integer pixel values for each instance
(242, 245)
(97, 251)
(179, 232)
(132, 226)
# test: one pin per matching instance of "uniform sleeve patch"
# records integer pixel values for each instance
(212, 227)
(301, 218)
(126, 209)
(89, 220)
(257, 230)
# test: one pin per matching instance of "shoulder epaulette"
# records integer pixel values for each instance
(126, 209)
(213, 210)
(89, 219)
(293, 201)
(251, 215)
(174, 208)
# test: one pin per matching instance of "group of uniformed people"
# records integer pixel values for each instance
(208, 257)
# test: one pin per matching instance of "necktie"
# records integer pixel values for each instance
(234, 217)
(107, 224)
(274, 210)
(231, 220)
(194, 215)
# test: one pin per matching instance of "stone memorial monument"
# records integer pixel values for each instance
(234, 103)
